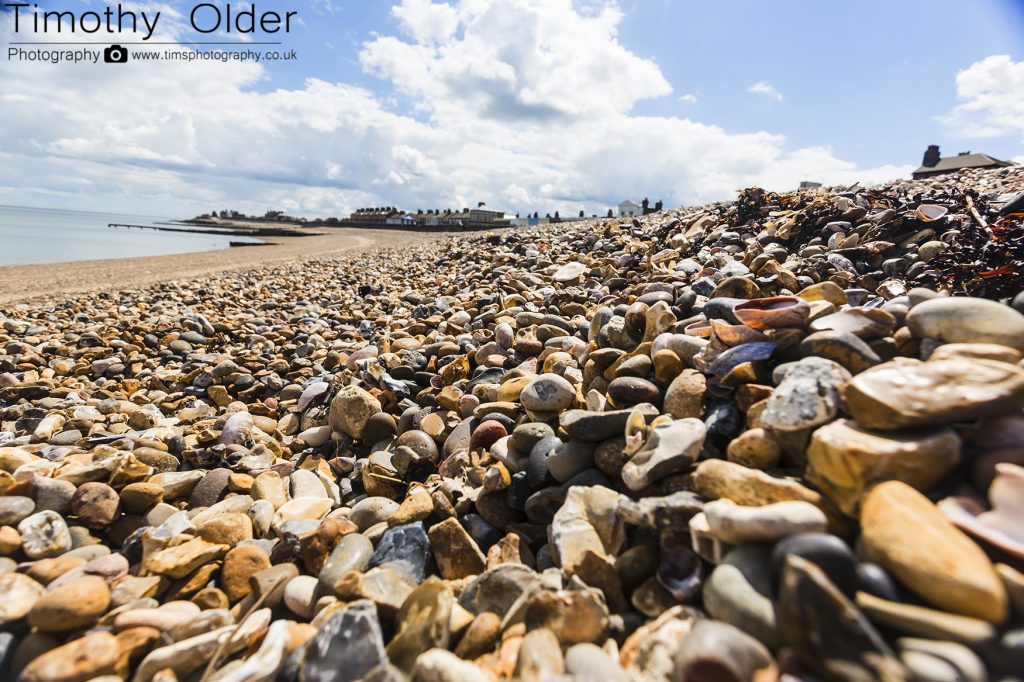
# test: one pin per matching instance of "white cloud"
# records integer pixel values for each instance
(689, 98)
(991, 93)
(426, 21)
(766, 89)
(524, 104)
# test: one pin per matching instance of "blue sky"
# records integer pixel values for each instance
(528, 104)
(866, 78)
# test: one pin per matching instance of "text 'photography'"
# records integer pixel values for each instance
(470, 341)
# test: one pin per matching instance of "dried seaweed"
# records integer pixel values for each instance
(984, 262)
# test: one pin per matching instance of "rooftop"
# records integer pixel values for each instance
(963, 160)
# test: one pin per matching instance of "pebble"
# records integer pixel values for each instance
(826, 630)
(907, 394)
(370, 511)
(96, 505)
(931, 660)
(906, 534)
(87, 658)
(456, 554)
(351, 408)
(73, 605)
(967, 320)
(739, 591)
(347, 646)
(718, 650)
(405, 548)
(44, 534)
(53, 494)
(844, 459)
(14, 509)
(754, 448)
(768, 523)
(20, 594)
(827, 552)
(548, 393)
(807, 397)
(669, 448)
(240, 564)
(210, 489)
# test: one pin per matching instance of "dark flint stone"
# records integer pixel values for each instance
(484, 534)
(491, 375)
(131, 548)
(1014, 205)
(209, 489)
(518, 492)
(721, 308)
(346, 647)
(537, 469)
(703, 286)
(875, 580)
(681, 572)
(406, 548)
(497, 589)
(724, 422)
(825, 551)
(626, 391)
(661, 513)
(593, 427)
(748, 352)
(655, 296)
(502, 419)
(685, 302)
(8, 643)
(827, 632)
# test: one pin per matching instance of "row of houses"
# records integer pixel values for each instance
(393, 217)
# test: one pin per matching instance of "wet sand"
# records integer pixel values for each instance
(23, 283)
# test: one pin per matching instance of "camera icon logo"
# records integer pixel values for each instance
(115, 54)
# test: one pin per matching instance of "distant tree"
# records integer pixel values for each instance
(581, 214)
(548, 216)
(610, 214)
(557, 217)
(657, 206)
(536, 215)
(517, 215)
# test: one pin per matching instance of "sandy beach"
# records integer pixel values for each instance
(24, 283)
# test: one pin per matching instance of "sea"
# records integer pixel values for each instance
(47, 235)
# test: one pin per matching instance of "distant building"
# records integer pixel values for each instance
(477, 218)
(479, 215)
(403, 219)
(375, 216)
(935, 164)
(629, 208)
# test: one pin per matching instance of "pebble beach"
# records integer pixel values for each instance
(778, 438)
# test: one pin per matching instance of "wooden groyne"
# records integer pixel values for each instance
(229, 231)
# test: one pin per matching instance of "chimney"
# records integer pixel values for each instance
(931, 156)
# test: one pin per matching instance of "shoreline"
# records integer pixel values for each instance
(29, 283)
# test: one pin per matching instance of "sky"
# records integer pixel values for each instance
(526, 105)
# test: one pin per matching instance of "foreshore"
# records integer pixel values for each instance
(771, 439)
(39, 282)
